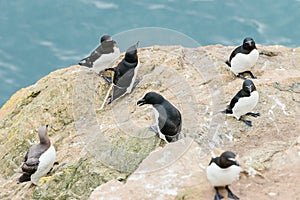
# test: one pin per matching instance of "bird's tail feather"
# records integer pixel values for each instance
(24, 178)
(226, 111)
(228, 63)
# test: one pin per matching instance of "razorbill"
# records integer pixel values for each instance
(222, 171)
(243, 58)
(39, 160)
(244, 102)
(125, 73)
(167, 117)
(103, 56)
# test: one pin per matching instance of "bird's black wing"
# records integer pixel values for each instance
(169, 120)
(123, 77)
(26, 172)
(235, 99)
(32, 157)
(31, 162)
(121, 83)
(117, 93)
(88, 61)
(237, 50)
(124, 73)
(124, 80)
(30, 166)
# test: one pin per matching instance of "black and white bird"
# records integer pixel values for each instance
(103, 56)
(39, 160)
(125, 74)
(222, 171)
(244, 102)
(243, 58)
(167, 116)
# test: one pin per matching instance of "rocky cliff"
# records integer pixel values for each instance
(109, 152)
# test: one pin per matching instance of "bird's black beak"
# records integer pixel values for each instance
(137, 44)
(234, 161)
(141, 102)
(133, 48)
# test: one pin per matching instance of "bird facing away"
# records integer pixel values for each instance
(167, 116)
(125, 74)
(243, 58)
(244, 102)
(39, 159)
(222, 171)
(103, 56)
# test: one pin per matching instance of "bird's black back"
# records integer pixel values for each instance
(124, 73)
(169, 120)
(31, 159)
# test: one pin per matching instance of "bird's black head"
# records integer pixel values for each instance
(227, 159)
(248, 86)
(151, 98)
(105, 38)
(131, 53)
(249, 43)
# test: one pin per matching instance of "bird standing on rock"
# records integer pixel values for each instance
(125, 74)
(243, 58)
(39, 160)
(244, 102)
(222, 171)
(167, 116)
(103, 56)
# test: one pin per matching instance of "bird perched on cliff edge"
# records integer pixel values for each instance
(244, 102)
(103, 56)
(167, 116)
(125, 74)
(39, 160)
(222, 171)
(243, 58)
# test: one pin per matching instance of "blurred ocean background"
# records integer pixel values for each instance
(37, 37)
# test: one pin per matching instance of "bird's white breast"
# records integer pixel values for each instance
(106, 60)
(245, 105)
(244, 62)
(221, 177)
(160, 135)
(46, 162)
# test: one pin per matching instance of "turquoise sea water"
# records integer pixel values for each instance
(37, 37)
